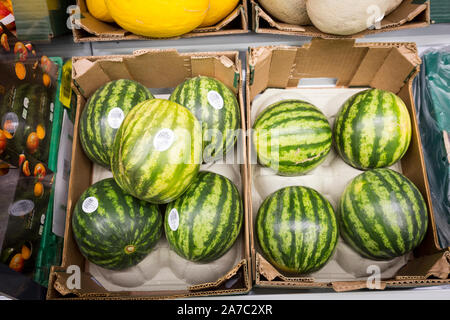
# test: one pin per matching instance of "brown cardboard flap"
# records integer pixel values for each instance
(437, 266)
(90, 73)
(224, 281)
(100, 29)
(266, 269)
(63, 280)
(406, 12)
(240, 10)
(343, 286)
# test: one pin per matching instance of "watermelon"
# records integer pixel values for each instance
(292, 137)
(204, 223)
(103, 114)
(112, 229)
(217, 108)
(382, 215)
(372, 129)
(297, 230)
(157, 151)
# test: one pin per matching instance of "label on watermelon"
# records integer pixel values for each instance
(215, 100)
(90, 204)
(26, 102)
(174, 219)
(164, 139)
(21, 208)
(115, 118)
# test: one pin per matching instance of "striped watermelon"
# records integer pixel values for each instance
(157, 151)
(382, 215)
(292, 137)
(372, 129)
(217, 108)
(204, 223)
(112, 229)
(297, 230)
(103, 114)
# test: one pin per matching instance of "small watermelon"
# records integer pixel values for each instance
(217, 108)
(297, 230)
(103, 114)
(372, 129)
(292, 137)
(157, 151)
(382, 215)
(112, 229)
(204, 223)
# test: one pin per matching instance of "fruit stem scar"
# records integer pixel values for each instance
(130, 249)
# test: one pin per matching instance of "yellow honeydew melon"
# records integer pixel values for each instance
(98, 9)
(218, 10)
(288, 11)
(158, 18)
(347, 17)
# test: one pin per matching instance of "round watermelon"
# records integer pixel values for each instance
(112, 229)
(292, 137)
(297, 230)
(217, 108)
(204, 223)
(103, 114)
(382, 215)
(157, 151)
(372, 129)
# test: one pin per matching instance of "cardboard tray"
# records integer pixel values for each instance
(89, 29)
(410, 14)
(388, 66)
(155, 69)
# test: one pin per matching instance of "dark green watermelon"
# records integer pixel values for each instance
(297, 230)
(217, 108)
(292, 137)
(103, 115)
(372, 129)
(204, 223)
(382, 215)
(112, 229)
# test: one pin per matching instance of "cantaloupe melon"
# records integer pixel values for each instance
(347, 17)
(287, 11)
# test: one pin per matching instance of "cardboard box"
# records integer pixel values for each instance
(410, 14)
(161, 71)
(388, 66)
(89, 29)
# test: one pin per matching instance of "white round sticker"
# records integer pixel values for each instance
(164, 139)
(174, 219)
(26, 102)
(115, 118)
(21, 208)
(90, 204)
(52, 107)
(215, 100)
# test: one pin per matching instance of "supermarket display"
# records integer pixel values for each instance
(157, 151)
(372, 129)
(152, 169)
(113, 229)
(217, 108)
(297, 230)
(204, 223)
(103, 115)
(292, 137)
(382, 214)
(432, 102)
